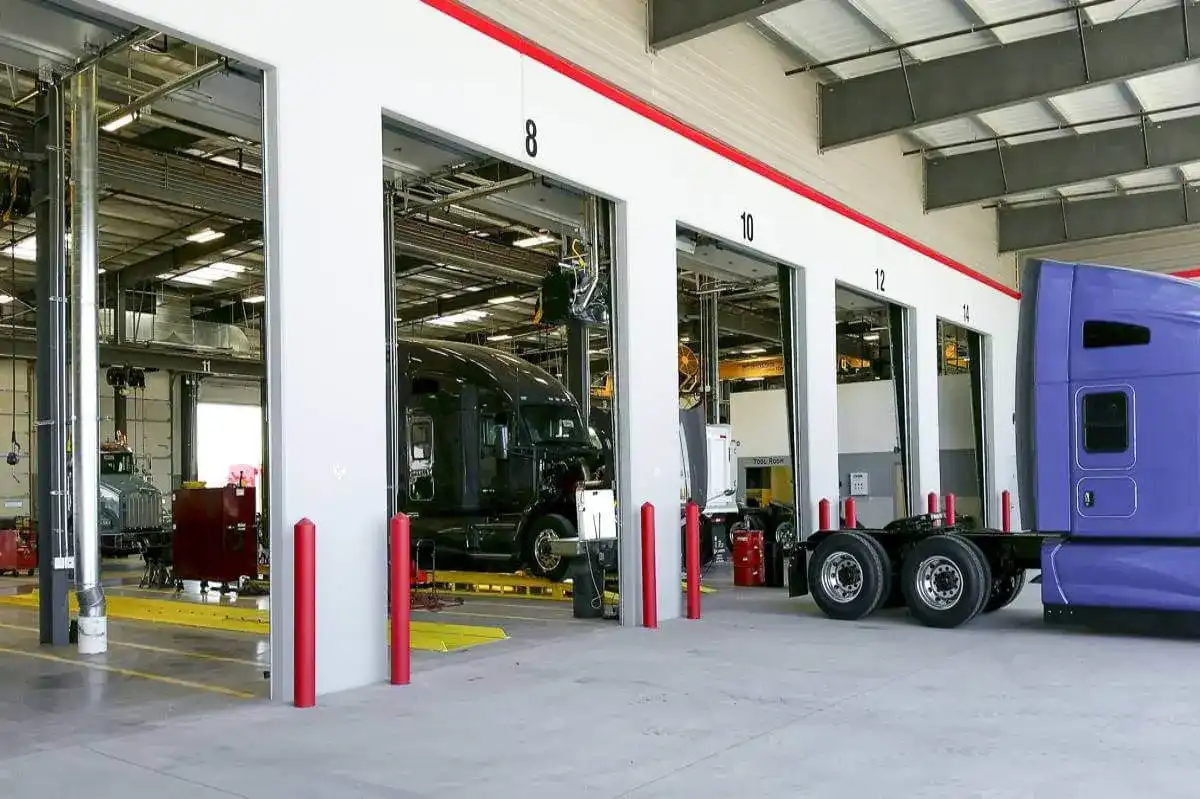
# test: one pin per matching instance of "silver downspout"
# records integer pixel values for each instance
(85, 438)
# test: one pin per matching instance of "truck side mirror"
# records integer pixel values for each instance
(502, 442)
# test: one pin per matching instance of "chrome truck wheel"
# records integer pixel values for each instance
(847, 576)
(946, 581)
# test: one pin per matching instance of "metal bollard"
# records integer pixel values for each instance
(693, 560)
(649, 576)
(401, 611)
(304, 686)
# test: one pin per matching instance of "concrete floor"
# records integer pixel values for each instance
(764, 698)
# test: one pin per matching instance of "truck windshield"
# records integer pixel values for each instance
(550, 423)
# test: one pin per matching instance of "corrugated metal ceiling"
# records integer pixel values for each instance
(824, 30)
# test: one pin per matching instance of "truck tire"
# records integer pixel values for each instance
(846, 576)
(892, 596)
(539, 533)
(946, 581)
(1005, 589)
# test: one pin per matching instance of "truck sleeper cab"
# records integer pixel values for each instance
(493, 448)
(1108, 457)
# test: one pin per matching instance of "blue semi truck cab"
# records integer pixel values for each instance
(1108, 455)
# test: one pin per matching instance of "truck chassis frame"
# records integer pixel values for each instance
(945, 574)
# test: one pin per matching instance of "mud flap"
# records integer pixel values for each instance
(798, 573)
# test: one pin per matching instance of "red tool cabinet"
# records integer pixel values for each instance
(215, 537)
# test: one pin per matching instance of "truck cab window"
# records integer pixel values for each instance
(552, 423)
(1098, 333)
(1106, 422)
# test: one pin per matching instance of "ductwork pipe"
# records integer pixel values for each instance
(85, 363)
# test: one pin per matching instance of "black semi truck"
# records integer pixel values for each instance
(492, 449)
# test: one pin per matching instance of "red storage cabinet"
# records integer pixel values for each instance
(215, 537)
(18, 551)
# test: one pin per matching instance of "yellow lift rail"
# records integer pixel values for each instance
(425, 636)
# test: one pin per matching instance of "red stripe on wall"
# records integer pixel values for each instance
(492, 30)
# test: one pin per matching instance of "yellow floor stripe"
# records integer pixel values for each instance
(143, 675)
(162, 649)
(427, 636)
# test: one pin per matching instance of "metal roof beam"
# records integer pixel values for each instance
(1027, 227)
(166, 359)
(997, 172)
(759, 326)
(134, 275)
(474, 299)
(676, 21)
(914, 95)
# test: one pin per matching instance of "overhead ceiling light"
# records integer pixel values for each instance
(754, 351)
(101, 271)
(871, 337)
(254, 299)
(453, 319)
(499, 337)
(534, 241)
(208, 234)
(120, 122)
(5, 299)
(502, 300)
(207, 275)
(23, 250)
(753, 379)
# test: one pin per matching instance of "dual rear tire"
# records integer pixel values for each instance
(944, 579)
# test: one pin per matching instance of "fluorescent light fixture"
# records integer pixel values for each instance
(206, 235)
(871, 337)
(23, 250)
(254, 299)
(453, 319)
(5, 299)
(101, 271)
(753, 379)
(502, 300)
(754, 351)
(685, 339)
(120, 122)
(684, 244)
(206, 275)
(499, 337)
(534, 241)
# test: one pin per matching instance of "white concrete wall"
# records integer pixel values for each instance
(731, 85)
(867, 437)
(485, 85)
(148, 416)
(866, 418)
(17, 483)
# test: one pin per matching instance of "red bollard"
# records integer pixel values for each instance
(823, 522)
(304, 610)
(1006, 511)
(949, 510)
(851, 514)
(933, 503)
(649, 577)
(693, 560)
(401, 612)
